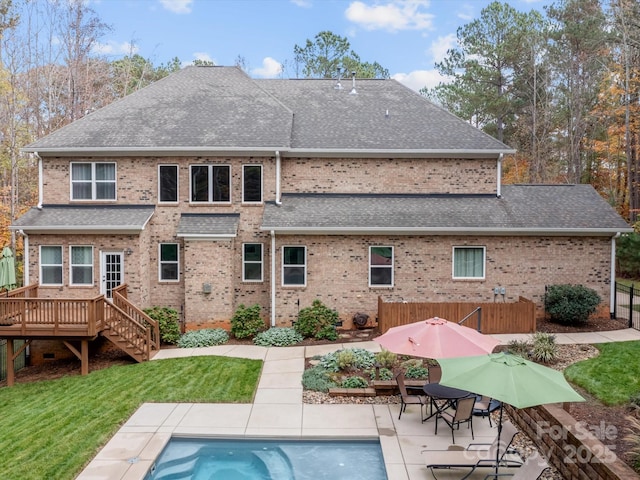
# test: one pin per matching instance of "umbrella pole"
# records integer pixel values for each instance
(499, 433)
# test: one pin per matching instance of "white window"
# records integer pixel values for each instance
(167, 183)
(50, 265)
(93, 181)
(81, 265)
(252, 183)
(380, 266)
(294, 266)
(468, 262)
(210, 183)
(169, 265)
(252, 269)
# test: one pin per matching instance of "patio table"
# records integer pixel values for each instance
(450, 395)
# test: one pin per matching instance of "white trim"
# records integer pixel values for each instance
(602, 232)
(177, 200)
(94, 182)
(391, 267)
(484, 261)
(261, 262)
(160, 262)
(273, 278)
(210, 192)
(259, 202)
(71, 265)
(40, 265)
(303, 266)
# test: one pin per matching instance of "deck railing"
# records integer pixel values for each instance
(120, 300)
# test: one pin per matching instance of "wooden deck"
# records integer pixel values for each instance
(23, 315)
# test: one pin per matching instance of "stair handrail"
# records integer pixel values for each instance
(137, 329)
(119, 299)
(477, 310)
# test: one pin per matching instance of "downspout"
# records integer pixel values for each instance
(278, 194)
(612, 280)
(273, 278)
(499, 179)
(40, 181)
(25, 255)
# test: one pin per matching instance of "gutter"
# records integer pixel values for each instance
(25, 268)
(278, 170)
(40, 181)
(273, 278)
(612, 279)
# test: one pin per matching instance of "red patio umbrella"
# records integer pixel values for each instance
(436, 338)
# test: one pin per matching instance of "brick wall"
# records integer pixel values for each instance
(577, 450)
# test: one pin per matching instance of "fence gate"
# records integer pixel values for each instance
(627, 305)
(20, 362)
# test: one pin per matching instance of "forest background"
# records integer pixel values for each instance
(560, 84)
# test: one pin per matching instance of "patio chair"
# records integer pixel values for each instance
(531, 469)
(406, 399)
(476, 455)
(463, 414)
(483, 407)
(435, 373)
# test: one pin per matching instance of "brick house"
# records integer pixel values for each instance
(209, 189)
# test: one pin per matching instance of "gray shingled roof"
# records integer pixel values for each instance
(203, 225)
(124, 219)
(522, 210)
(222, 110)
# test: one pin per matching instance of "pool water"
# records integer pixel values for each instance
(242, 459)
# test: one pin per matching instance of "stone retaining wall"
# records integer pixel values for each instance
(578, 451)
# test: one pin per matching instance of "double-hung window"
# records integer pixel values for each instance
(380, 266)
(50, 265)
(167, 183)
(468, 262)
(252, 183)
(81, 265)
(252, 269)
(169, 265)
(93, 181)
(294, 266)
(210, 183)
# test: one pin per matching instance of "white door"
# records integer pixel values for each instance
(112, 272)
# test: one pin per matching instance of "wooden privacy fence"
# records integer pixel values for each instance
(517, 317)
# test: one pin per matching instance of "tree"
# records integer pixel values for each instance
(329, 52)
(485, 66)
(579, 54)
(131, 73)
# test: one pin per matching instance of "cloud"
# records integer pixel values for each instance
(205, 57)
(177, 6)
(420, 78)
(302, 3)
(393, 16)
(270, 68)
(111, 48)
(439, 47)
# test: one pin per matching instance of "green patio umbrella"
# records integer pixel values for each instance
(7, 269)
(508, 378)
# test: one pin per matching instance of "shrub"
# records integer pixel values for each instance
(316, 319)
(345, 359)
(207, 337)
(519, 347)
(385, 374)
(168, 323)
(416, 371)
(327, 333)
(363, 359)
(570, 304)
(386, 358)
(544, 348)
(278, 337)
(317, 379)
(246, 321)
(354, 382)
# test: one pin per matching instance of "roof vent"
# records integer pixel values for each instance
(338, 85)
(353, 84)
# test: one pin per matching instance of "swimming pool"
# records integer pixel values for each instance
(258, 459)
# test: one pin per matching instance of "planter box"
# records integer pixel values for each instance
(352, 392)
(390, 387)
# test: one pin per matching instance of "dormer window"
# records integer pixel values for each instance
(93, 181)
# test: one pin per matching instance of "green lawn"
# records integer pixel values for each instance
(613, 376)
(52, 429)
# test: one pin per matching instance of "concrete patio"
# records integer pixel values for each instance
(278, 411)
